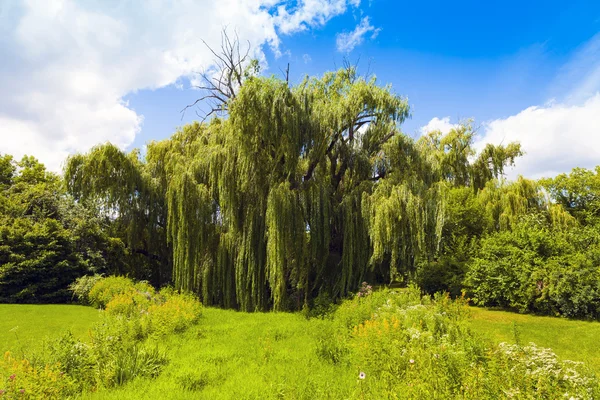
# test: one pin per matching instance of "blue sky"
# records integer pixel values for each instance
(526, 71)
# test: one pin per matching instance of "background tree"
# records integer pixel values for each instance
(46, 239)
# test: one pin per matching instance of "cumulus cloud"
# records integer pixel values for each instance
(66, 64)
(563, 133)
(438, 124)
(556, 137)
(310, 14)
(347, 41)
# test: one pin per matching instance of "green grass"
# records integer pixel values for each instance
(272, 355)
(268, 355)
(24, 327)
(234, 355)
(569, 339)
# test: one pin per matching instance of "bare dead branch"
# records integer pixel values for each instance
(224, 80)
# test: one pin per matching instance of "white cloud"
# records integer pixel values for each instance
(66, 64)
(565, 132)
(347, 41)
(556, 137)
(310, 13)
(306, 58)
(438, 124)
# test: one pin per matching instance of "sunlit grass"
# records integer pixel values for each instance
(234, 355)
(24, 327)
(268, 355)
(569, 339)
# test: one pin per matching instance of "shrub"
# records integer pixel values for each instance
(20, 379)
(443, 275)
(82, 286)
(320, 306)
(177, 313)
(117, 351)
(106, 289)
(535, 268)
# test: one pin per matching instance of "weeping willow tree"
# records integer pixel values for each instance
(295, 191)
(126, 194)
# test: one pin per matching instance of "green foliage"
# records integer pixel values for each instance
(275, 355)
(20, 379)
(82, 286)
(445, 275)
(538, 268)
(298, 191)
(578, 193)
(46, 239)
(405, 346)
(106, 289)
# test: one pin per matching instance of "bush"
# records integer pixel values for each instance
(175, 314)
(534, 268)
(105, 290)
(443, 275)
(20, 379)
(82, 286)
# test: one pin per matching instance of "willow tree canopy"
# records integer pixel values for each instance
(297, 191)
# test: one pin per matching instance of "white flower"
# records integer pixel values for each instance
(362, 375)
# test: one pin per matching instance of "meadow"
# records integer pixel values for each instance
(25, 327)
(229, 354)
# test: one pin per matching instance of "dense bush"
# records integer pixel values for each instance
(443, 275)
(106, 290)
(537, 268)
(20, 379)
(406, 346)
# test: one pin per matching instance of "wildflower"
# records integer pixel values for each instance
(12, 377)
(362, 375)
(2, 392)
(411, 361)
(22, 391)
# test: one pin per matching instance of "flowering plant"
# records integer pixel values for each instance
(364, 290)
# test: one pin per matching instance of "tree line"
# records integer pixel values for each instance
(298, 193)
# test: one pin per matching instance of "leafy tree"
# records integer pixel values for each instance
(46, 240)
(296, 191)
(578, 193)
(537, 267)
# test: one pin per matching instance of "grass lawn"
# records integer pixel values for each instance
(235, 355)
(23, 327)
(569, 339)
(249, 356)
(268, 355)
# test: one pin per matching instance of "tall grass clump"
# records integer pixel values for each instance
(82, 286)
(403, 345)
(124, 345)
